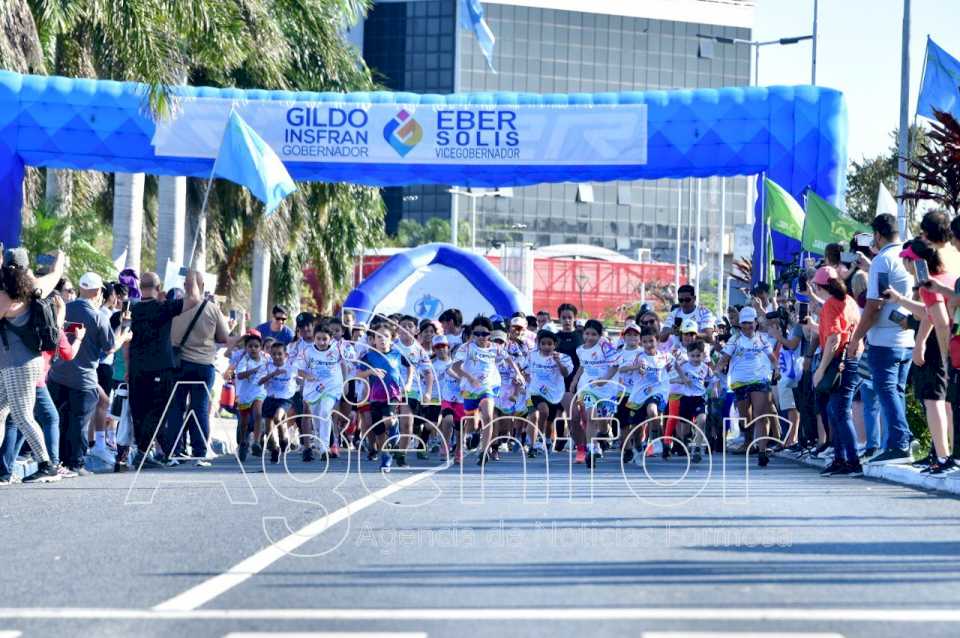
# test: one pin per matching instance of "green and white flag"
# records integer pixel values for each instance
(827, 224)
(782, 211)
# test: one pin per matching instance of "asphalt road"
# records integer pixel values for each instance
(437, 551)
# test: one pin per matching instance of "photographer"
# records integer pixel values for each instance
(787, 335)
(890, 345)
(922, 259)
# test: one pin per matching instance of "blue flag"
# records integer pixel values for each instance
(471, 19)
(247, 160)
(941, 83)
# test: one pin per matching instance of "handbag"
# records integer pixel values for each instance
(186, 335)
(119, 397)
(955, 351)
(831, 376)
(125, 427)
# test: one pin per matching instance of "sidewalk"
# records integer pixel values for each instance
(902, 474)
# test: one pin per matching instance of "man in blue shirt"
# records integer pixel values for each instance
(277, 328)
(73, 384)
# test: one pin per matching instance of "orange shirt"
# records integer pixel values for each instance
(838, 318)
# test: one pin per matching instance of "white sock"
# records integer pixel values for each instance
(99, 439)
(112, 437)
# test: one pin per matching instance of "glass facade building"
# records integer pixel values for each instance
(415, 46)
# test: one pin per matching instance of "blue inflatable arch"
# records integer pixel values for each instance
(796, 136)
(493, 286)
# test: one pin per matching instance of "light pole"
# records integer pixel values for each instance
(813, 57)
(903, 144)
(756, 44)
(474, 196)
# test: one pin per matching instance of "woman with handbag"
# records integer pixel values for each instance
(837, 374)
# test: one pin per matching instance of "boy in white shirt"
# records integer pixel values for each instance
(648, 399)
(250, 394)
(546, 371)
(280, 381)
(696, 380)
(323, 370)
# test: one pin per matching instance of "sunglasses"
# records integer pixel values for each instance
(68, 291)
(648, 323)
(481, 335)
(280, 318)
(518, 328)
(685, 299)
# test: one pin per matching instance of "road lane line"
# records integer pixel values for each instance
(675, 614)
(212, 588)
(325, 634)
(10, 634)
(734, 634)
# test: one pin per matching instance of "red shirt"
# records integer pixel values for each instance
(65, 350)
(838, 318)
(930, 298)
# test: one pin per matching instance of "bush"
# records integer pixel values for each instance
(917, 420)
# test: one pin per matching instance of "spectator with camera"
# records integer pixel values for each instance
(890, 345)
(922, 260)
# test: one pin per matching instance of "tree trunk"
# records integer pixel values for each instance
(171, 221)
(127, 219)
(58, 195)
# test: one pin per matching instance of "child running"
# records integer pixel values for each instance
(280, 381)
(323, 369)
(250, 394)
(647, 400)
(696, 380)
(546, 371)
(383, 368)
(451, 403)
(595, 400)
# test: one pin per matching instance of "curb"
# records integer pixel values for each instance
(24, 466)
(900, 474)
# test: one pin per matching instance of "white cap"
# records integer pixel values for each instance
(440, 340)
(518, 321)
(91, 281)
(748, 314)
(630, 325)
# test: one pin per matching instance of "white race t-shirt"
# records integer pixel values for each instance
(249, 389)
(325, 366)
(749, 360)
(596, 364)
(481, 363)
(654, 379)
(546, 379)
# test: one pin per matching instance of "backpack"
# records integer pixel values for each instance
(41, 332)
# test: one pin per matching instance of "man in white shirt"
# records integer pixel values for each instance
(688, 310)
(890, 348)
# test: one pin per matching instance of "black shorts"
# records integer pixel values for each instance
(553, 409)
(272, 405)
(105, 378)
(414, 405)
(430, 412)
(930, 379)
(692, 407)
(380, 415)
(296, 403)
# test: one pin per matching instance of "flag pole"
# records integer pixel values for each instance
(201, 218)
(904, 144)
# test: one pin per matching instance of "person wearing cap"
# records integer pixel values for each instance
(277, 327)
(73, 384)
(689, 310)
(451, 402)
(838, 320)
(520, 335)
(930, 362)
(689, 334)
(151, 368)
(749, 359)
(21, 367)
(512, 400)
(890, 346)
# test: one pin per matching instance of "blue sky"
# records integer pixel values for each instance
(858, 53)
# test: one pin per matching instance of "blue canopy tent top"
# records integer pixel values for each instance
(796, 136)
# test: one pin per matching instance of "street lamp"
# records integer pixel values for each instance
(756, 44)
(474, 195)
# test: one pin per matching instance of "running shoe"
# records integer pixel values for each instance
(372, 455)
(833, 468)
(581, 456)
(202, 463)
(422, 455)
(697, 455)
(532, 453)
(892, 457)
(335, 452)
(66, 472)
(243, 451)
(763, 459)
(385, 462)
(592, 459)
(307, 454)
(45, 473)
(855, 469)
(275, 455)
(627, 456)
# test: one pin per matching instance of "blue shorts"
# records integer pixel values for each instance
(472, 402)
(640, 411)
(743, 392)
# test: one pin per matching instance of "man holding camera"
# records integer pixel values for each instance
(890, 344)
(688, 310)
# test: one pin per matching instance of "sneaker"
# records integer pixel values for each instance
(257, 449)
(66, 472)
(170, 463)
(925, 462)
(763, 459)
(868, 454)
(203, 463)
(334, 452)
(592, 459)
(372, 455)
(400, 458)
(665, 452)
(421, 454)
(638, 456)
(947, 467)
(845, 469)
(5, 480)
(820, 450)
(307, 454)
(560, 445)
(795, 449)
(832, 469)
(855, 469)
(627, 456)
(45, 473)
(892, 457)
(243, 451)
(532, 453)
(120, 467)
(385, 462)
(275, 455)
(581, 456)
(697, 455)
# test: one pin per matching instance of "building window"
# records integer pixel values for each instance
(585, 193)
(624, 195)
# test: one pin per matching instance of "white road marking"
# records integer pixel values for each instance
(335, 634)
(213, 587)
(10, 634)
(918, 615)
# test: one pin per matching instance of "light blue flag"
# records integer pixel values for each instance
(941, 83)
(471, 19)
(247, 160)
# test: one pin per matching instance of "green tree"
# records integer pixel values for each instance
(864, 178)
(411, 233)
(86, 249)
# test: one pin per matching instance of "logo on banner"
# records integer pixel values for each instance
(403, 133)
(428, 306)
